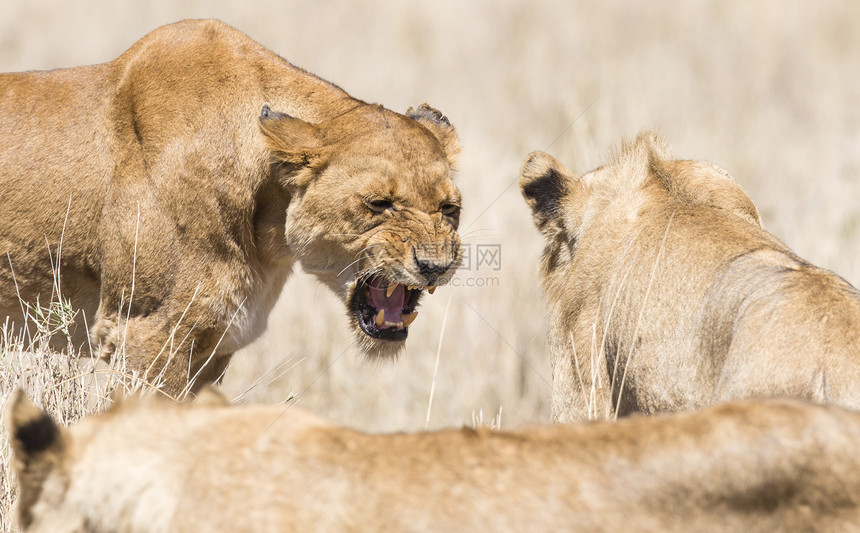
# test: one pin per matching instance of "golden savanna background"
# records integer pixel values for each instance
(770, 91)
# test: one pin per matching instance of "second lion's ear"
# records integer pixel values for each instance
(38, 449)
(290, 139)
(544, 183)
(441, 127)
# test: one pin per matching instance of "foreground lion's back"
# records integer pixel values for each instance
(758, 466)
(155, 466)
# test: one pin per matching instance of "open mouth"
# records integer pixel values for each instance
(385, 309)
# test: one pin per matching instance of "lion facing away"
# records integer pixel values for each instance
(156, 466)
(154, 195)
(665, 293)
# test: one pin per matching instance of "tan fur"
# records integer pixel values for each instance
(154, 466)
(166, 197)
(665, 293)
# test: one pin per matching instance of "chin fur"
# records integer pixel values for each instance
(377, 349)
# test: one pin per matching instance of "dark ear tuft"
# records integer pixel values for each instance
(544, 183)
(37, 435)
(268, 113)
(38, 449)
(31, 430)
(440, 126)
(424, 111)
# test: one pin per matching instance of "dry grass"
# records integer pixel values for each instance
(65, 384)
(767, 90)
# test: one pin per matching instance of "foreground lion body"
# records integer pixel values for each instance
(156, 466)
(665, 293)
(153, 194)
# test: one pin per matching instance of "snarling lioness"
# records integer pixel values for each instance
(154, 195)
(156, 466)
(665, 293)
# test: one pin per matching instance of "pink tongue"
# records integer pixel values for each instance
(393, 305)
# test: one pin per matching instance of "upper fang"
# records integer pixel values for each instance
(390, 290)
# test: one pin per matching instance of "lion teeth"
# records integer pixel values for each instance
(431, 290)
(380, 318)
(409, 318)
(391, 289)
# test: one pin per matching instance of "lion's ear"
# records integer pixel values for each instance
(290, 139)
(545, 183)
(441, 127)
(703, 183)
(32, 432)
(38, 447)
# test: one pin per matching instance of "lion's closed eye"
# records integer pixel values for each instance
(379, 205)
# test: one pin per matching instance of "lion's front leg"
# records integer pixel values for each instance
(209, 369)
(162, 353)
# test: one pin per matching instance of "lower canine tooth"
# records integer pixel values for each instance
(380, 318)
(431, 290)
(390, 290)
(409, 318)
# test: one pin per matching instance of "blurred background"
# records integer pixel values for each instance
(769, 90)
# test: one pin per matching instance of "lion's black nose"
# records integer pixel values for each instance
(430, 269)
